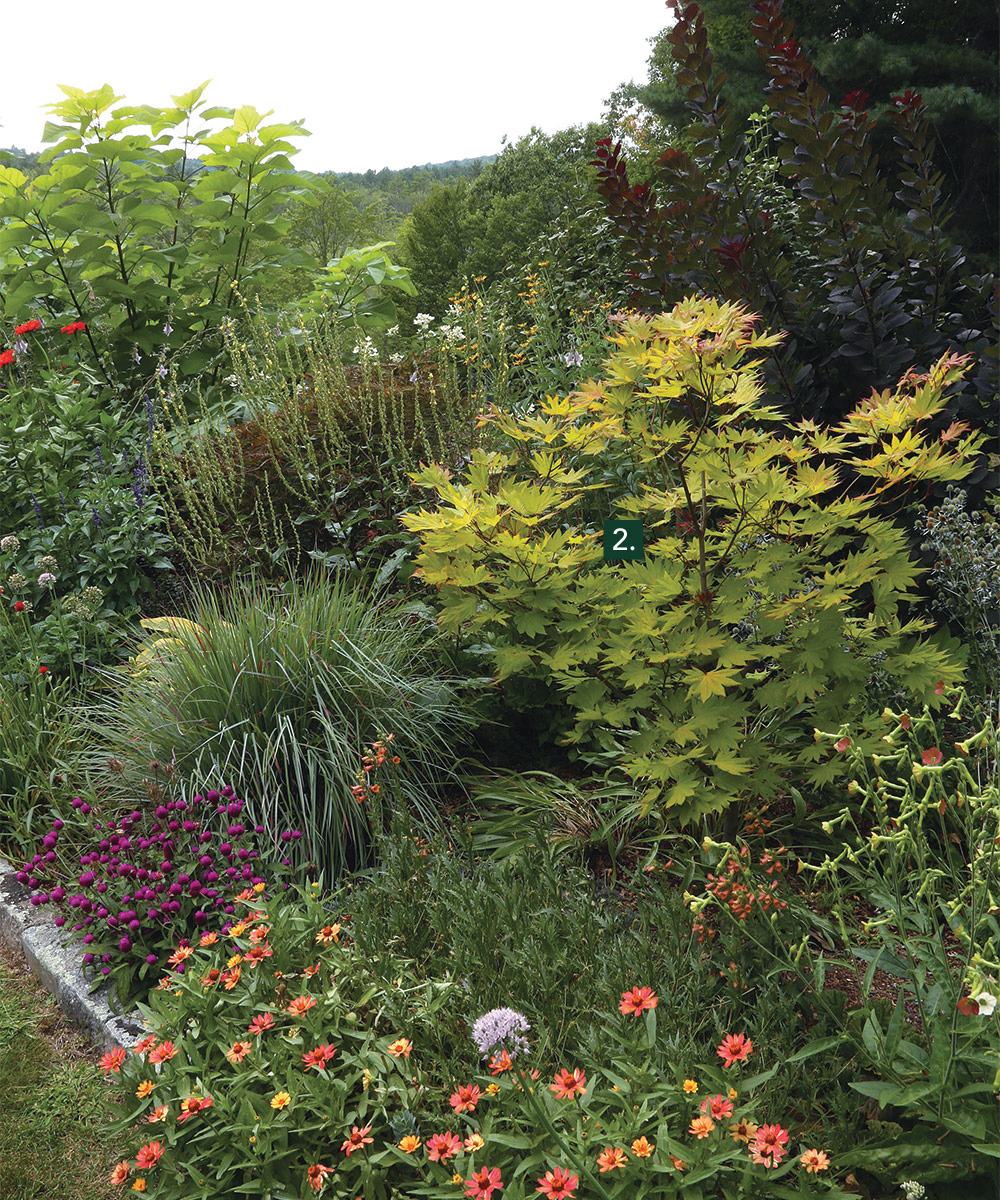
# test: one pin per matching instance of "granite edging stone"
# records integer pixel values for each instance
(29, 931)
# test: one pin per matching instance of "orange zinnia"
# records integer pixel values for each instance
(642, 1147)
(301, 1005)
(112, 1061)
(611, 1159)
(814, 1160)
(163, 1052)
(120, 1173)
(409, 1143)
(743, 1130)
(568, 1083)
(701, 1127)
(400, 1048)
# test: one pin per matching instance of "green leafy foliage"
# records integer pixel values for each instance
(143, 222)
(867, 281)
(766, 592)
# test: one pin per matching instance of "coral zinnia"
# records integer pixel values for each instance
(557, 1183)
(734, 1048)
(568, 1083)
(638, 1000)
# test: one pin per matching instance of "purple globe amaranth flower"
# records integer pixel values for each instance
(501, 1029)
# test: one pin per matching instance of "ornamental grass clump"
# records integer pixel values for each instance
(280, 690)
(271, 1069)
(149, 877)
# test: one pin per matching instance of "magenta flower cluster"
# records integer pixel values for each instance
(148, 879)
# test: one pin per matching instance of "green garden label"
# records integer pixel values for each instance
(622, 539)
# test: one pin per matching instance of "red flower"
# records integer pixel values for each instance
(483, 1184)
(43, 670)
(637, 1000)
(939, 688)
(842, 744)
(557, 1184)
(27, 327)
(717, 1107)
(18, 606)
(968, 1007)
(932, 757)
(734, 1048)
(501, 1062)
(6, 356)
(75, 327)
(904, 721)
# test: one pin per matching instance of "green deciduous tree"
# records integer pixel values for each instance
(143, 225)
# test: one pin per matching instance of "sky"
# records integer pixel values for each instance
(382, 83)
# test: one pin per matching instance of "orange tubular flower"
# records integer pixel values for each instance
(611, 1159)
(734, 1048)
(637, 1001)
(568, 1083)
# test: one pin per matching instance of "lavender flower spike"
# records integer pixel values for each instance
(500, 1029)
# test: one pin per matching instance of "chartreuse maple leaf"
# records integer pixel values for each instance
(701, 670)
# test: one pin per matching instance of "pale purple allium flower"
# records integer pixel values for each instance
(573, 359)
(46, 579)
(500, 1029)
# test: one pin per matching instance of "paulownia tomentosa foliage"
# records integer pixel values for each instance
(769, 591)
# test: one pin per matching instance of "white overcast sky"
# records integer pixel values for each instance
(379, 83)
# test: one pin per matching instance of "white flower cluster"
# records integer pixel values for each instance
(10, 543)
(366, 349)
(452, 334)
(46, 579)
(913, 1190)
(423, 320)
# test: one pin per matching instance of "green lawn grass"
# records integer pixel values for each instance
(53, 1099)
